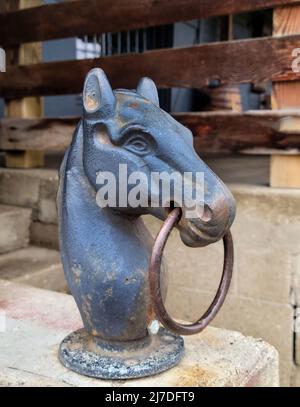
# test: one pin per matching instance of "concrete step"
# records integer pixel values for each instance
(44, 235)
(34, 266)
(33, 188)
(14, 230)
(36, 321)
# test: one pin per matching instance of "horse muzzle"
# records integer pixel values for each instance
(213, 222)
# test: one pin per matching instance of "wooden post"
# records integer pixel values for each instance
(285, 169)
(30, 107)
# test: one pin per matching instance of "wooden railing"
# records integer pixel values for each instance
(83, 17)
(189, 67)
(232, 62)
(263, 131)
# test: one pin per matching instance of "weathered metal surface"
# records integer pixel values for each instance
(106, 252)
(121, 360)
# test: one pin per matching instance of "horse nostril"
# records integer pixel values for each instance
(207, 214)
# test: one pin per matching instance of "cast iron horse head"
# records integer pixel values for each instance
(105, 251)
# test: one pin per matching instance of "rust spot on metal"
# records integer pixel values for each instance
(134, 105)
(91, 102)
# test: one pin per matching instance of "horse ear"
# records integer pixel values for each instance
(98, 96)
(148, 90)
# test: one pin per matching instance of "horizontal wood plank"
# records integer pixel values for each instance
(193, 67)
(43, 134)
(214, 132)
(252, 131)
(82, 17)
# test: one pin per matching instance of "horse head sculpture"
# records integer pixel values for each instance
(106, 250)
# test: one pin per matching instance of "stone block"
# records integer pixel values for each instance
(267, 217)
(270, 321)
(296, 376)
(14, 231)
(47, 212)
(20, 187)
(37, 321)
(265, 275)
(45, 235)
(32, 188)
(35, 266)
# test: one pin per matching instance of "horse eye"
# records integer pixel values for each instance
(138, 144)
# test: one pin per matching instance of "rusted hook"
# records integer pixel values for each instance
(154, 281)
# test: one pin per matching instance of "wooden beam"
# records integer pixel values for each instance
(76, 18)
(286, 21)
(192, 67)
(28, 107)
(43, 134)
(285, 171)
(24, 159)
(258, 131)
(214, 132)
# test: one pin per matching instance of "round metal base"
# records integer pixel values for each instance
(92, 357)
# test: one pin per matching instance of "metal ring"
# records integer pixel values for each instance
(154, 281)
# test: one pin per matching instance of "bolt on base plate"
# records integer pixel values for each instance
(90, 356)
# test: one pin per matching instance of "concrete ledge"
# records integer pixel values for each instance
(35, 266)
(44, 235)
(34, 322)
(14, 232)
(32, 188)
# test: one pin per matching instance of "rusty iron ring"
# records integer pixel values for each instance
(154, 281)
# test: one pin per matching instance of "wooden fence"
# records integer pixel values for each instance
(275, 132)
